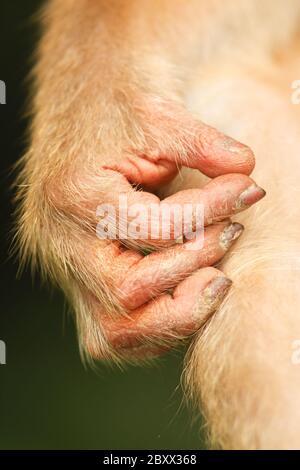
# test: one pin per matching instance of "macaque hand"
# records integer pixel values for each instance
(135, 290)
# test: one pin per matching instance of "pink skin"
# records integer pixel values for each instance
(154, 274)
(178, 315)
(214, 154)
(197, 289)
(221, 198)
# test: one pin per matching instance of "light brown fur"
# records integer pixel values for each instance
(142, 55)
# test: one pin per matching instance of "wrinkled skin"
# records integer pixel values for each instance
(130, 115)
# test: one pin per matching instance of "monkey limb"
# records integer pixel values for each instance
(112, 123)
(117, 118)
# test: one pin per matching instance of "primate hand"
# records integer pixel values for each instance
(135, 295)
(108, 127)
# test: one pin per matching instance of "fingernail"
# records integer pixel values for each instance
(216, 290)
(234, 146)
(230, 234)
(250, 196)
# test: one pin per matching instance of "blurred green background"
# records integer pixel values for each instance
(48, 400)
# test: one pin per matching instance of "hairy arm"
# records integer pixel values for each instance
(108, 120)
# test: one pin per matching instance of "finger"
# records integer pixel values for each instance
(123, 279)
(163, 270)
(215, 154)
(222, 197)
(169, 317)
(104, 209)
(142, 221)
(139, 169)
(201, 147)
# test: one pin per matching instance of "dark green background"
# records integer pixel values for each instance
(48, 400)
